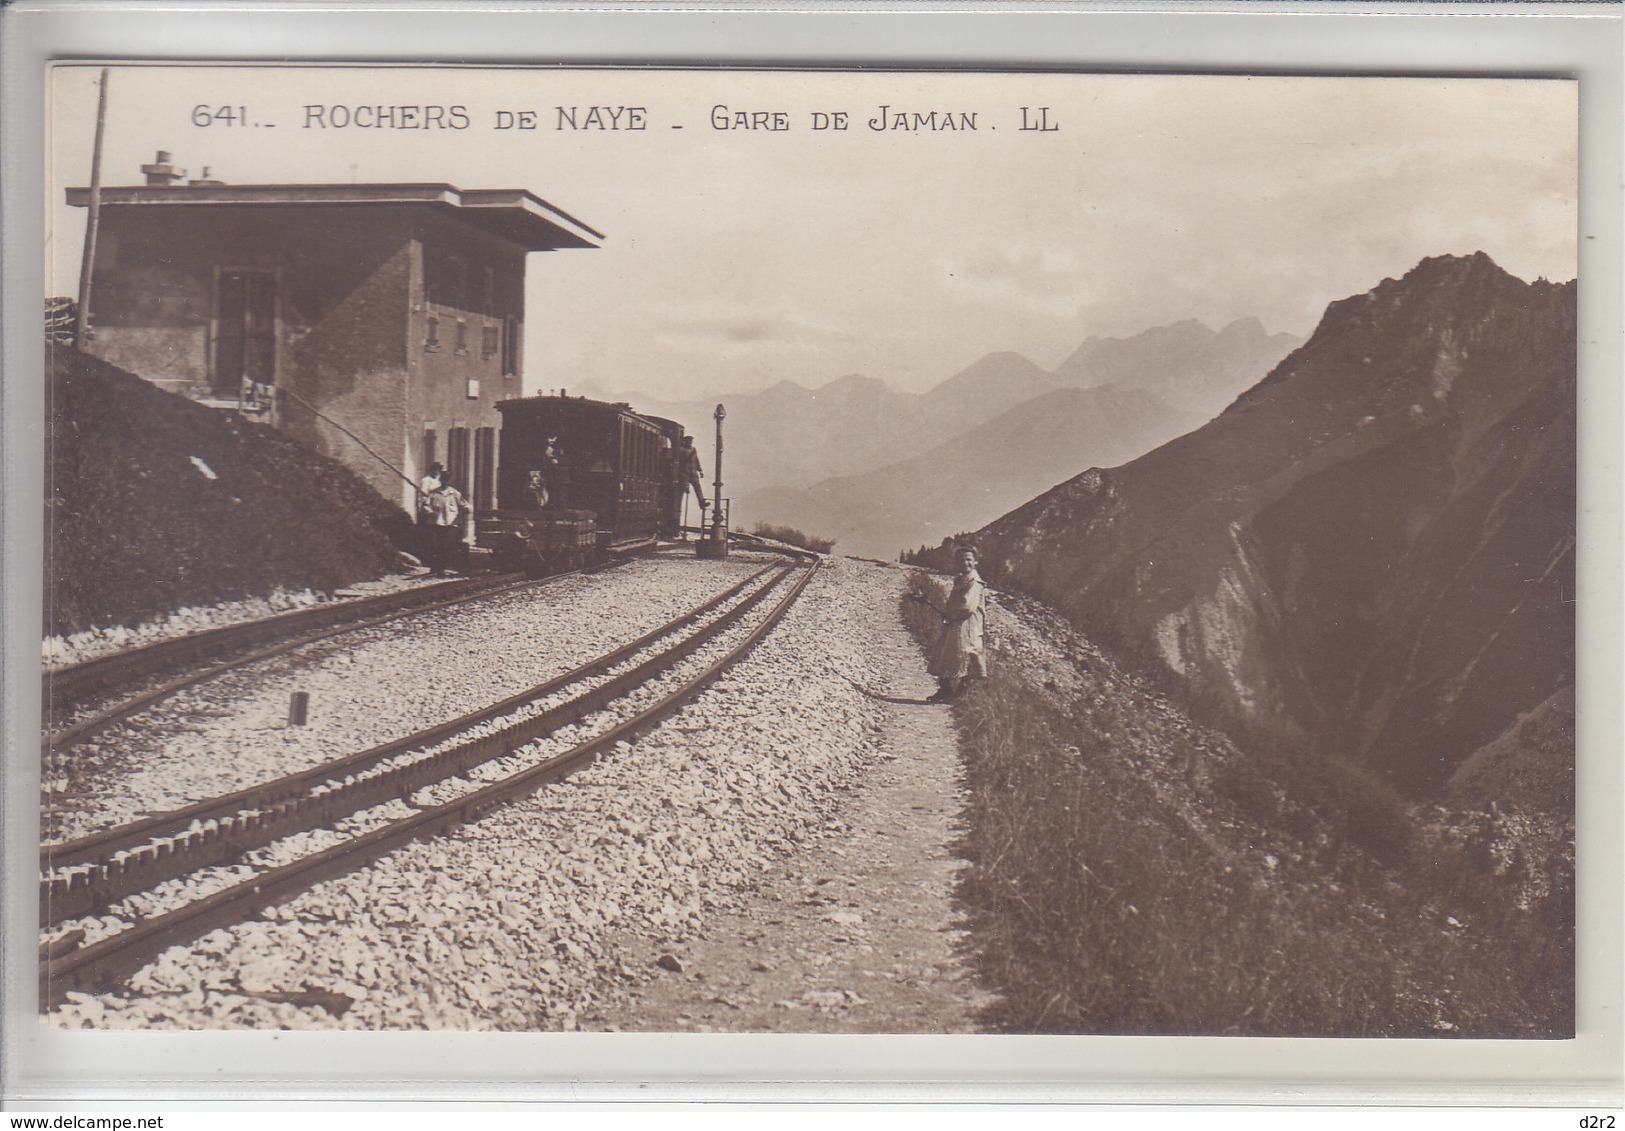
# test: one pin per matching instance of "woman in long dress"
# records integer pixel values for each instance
(959, 654)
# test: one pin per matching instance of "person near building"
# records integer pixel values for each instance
(427, 486)
(447, 508)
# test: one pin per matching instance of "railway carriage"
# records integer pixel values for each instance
(578, 479)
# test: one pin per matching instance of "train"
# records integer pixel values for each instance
(579, 479)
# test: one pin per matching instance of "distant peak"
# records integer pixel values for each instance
(785, 387)
(1186, 332)
(1249, 327)
(1002, 358)
(1003, 364)
(853, 383)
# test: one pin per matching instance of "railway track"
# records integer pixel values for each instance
(185, 661)
(121, 868)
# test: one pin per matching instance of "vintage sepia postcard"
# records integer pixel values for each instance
(538, 549)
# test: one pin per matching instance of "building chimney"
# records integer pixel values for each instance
(162, 171)
(205, 179)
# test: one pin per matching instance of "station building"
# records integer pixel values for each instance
(379, 323)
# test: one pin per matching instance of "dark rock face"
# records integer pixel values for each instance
(1370, 553)
(154, 502)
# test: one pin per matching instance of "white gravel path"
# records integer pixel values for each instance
(504, 924)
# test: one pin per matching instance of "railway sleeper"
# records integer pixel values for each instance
(234, 837)
(101, 965)
(95, 847)
(69, 686)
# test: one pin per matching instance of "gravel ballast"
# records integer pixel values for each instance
(505, 923)
(365, 687)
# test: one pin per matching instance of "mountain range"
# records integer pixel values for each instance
(1185, 364)
(882, 470)
(977, 475)
(1368, 554)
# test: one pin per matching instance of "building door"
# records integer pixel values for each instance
(485, 468)
(457, 458)
(245, 334)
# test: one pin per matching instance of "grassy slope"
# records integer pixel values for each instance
(1133, 873)
(135, 528)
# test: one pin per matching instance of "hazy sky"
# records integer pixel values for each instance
(740, 257)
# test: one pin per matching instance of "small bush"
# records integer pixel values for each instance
(794, 537)
(939, 558)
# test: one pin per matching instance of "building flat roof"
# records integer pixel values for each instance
(513, 214)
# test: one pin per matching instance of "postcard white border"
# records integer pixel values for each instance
(1581, 41)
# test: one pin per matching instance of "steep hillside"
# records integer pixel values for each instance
(977, 475)
(1186, 364)
(1530, 765)
(1370, 553)
(1129, 871)
(154, 502)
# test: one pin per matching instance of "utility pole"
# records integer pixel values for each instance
(716, 544)
(81, 325)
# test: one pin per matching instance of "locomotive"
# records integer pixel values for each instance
(579, 479)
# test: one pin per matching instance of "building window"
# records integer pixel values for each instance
(429, 449)
(461, 297)
(510, 346)
(473, 388)
(245, 335)
(462, 336)
(489, 342)
(432, 340)
(434, 276)
(445, 278)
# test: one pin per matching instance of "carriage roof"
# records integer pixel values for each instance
(620, 408)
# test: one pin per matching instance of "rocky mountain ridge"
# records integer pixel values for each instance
(1369, 554)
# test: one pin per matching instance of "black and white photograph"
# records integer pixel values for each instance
(809, 551)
